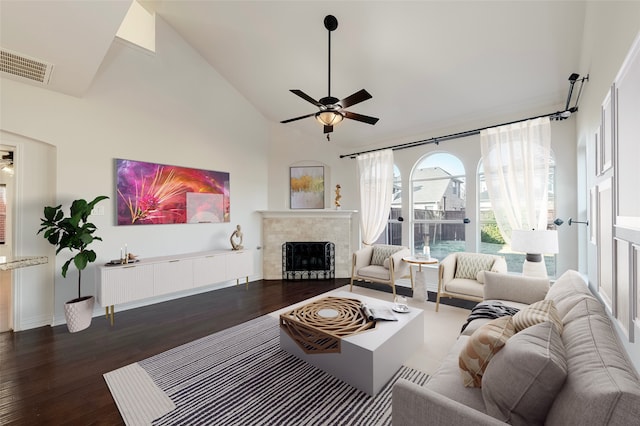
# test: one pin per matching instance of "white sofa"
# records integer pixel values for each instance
(524, 382)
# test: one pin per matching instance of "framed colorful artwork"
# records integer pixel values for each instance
(307, 187)
(151, 194)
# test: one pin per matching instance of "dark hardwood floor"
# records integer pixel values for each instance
(49, 376)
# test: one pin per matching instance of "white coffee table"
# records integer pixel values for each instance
(369, 359)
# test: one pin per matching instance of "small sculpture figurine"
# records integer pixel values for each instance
(338, 196)
(236, 239)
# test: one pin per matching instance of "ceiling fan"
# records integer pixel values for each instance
(332, 110)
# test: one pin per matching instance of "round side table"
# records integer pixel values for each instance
(419, 286)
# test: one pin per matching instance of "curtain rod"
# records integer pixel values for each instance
(558, 115)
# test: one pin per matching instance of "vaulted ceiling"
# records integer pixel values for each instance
(429, 65)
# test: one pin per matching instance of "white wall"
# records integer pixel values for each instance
(610, 29)
(289, 148)
(169, 108)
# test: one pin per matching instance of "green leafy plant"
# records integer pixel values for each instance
(72, 232)
(490, 233)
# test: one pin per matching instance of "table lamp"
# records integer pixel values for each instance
(534, 244)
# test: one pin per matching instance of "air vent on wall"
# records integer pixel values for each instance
(24, 67)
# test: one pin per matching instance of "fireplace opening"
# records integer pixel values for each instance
(308, 260)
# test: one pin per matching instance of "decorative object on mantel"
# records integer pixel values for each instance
(236, 239)
(73, 233)
(338, 196)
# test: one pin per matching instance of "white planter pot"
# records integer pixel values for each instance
(79, 313)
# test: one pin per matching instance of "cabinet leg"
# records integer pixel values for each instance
(111, 314)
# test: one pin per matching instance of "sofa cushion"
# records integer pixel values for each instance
(522, 380)
(375, 272)
(538, 312)
(469, 264)
(585, 306)
(568, 290)
(464, 286)
(481, 346)
(568, 284)
(516, 288)
(381, 252)
(446, 379)
(602, 386)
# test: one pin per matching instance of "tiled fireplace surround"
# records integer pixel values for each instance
(278, 227)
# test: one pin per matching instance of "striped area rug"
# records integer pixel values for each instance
(240, 376)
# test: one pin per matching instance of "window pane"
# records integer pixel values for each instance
(392, 234)
(444, 238)
(439, 205)
(491, 240)
(439, 199)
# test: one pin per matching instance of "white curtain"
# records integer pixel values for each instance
(375, 171)
(516, 161)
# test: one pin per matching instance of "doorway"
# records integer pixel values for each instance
(6, 235)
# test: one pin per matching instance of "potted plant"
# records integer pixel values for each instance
(76, 234)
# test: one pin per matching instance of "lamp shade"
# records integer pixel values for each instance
(538, 242)
(329, 118)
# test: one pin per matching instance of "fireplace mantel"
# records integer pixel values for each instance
(307, 213)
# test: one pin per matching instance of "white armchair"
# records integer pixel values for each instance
(461, 275)
(380, 263)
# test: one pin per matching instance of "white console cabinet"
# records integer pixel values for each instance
(169, 274)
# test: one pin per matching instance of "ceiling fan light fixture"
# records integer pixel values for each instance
(332, 110)
(329, 118)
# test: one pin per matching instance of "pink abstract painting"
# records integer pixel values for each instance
(150, 193)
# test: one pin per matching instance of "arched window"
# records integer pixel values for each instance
(491, 240)
(438, 204)
(393, 232)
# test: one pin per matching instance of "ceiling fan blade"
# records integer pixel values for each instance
(328, 129)
(298, 118)
(360, 117)
(356, 98)
(305, 97)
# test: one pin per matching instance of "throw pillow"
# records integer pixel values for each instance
(468, 265)
(523, 379)
(381, 252)
(386, 263)
(481, 346)
(544, 310)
